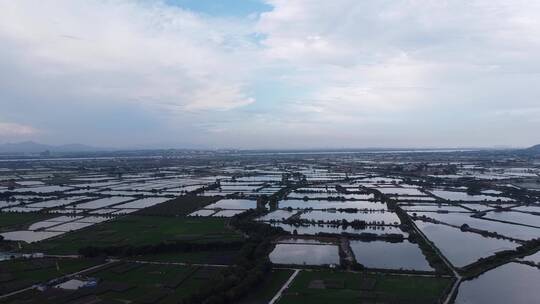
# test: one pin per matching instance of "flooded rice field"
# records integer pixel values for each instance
(325, 204)
(333, 229)
(390, 255)
(506, 229)
(510, 283)
(305, 254)
(382, 212)
(370, 217)
(239, 204)
(451, 241)
(463, 196)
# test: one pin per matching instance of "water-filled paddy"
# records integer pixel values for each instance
(29, 236)
(303, 241)
(323, 204)
(203, 212)
(21, 209)
(386, 255)
(64, 218)
(478, 206)
(56, 202)
(511, 283)
(535, 258)
(325, 196)
(323, 228)
(233, 204)
(400, 198)
(103, 202)
(462, 248)
(434, 208)
(463, 196)
(276, 215)
(529, 208)
(227, 213)
(7, 204)
(43, 189)
(321, 195)
(401, 191)
(516, 217)
(93, 219)
(303, 254)
(102, 211)
(374, 217)
(509, 230)
(69, 226)
(123, 211)
(143, 203)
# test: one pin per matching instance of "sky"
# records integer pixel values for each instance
(256, 74)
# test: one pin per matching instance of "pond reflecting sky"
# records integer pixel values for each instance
(511, 283)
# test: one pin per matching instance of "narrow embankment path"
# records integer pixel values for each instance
(453, 291)
(285, 286)
(169, 263)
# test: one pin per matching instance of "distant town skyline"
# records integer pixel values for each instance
(279, 74)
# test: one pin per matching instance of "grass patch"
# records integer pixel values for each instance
(138, 231)
(268, 288)
(386, 288)
(10, 221)
(21, 273)
(133, 283)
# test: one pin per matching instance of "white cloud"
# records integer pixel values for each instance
(330, 71)
(9, 129)
(124, 50)
(378, 58)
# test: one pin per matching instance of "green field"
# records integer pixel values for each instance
(19, 221)
(130, 282)
(347, 287)
(266, 291)
(137, 231)
(170, 283)
(22, 273)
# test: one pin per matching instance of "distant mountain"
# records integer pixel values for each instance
(34, 147)
(535, 149)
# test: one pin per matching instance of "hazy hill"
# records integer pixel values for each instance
(34, 147)
(535, 149)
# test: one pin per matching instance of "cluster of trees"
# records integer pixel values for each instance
(251, 268)
(355, 224)
(474, 188)
(485, 233)
(431, 256)
(331, 198)
(254, 230)
(201, 190)
(6, 196)
(235, 282)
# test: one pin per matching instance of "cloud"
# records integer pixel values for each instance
(312, 73)
(377, 63)
(8, 129)
(107, 51)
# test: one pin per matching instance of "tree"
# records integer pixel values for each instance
(474, 188)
